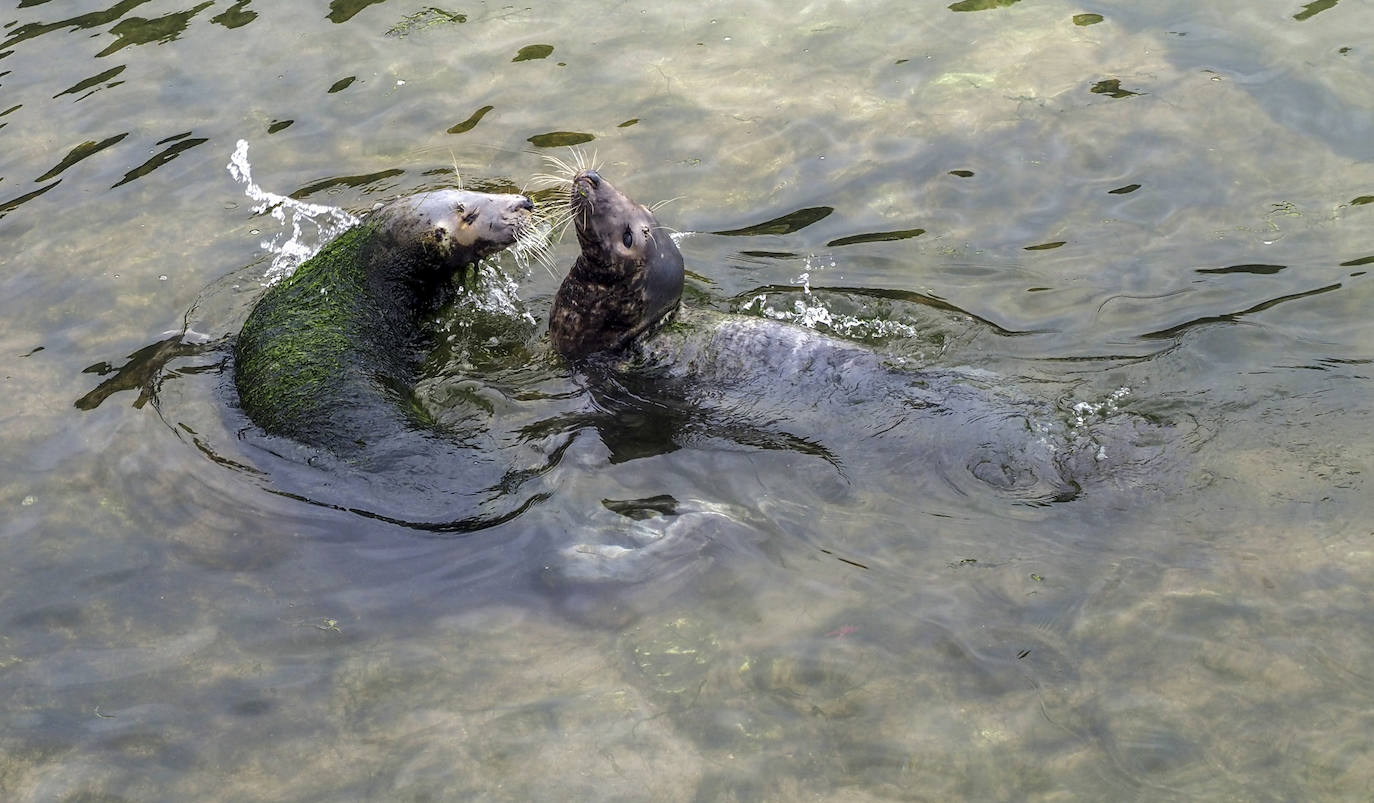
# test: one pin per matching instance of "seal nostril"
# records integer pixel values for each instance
(525, 203)
(594, 177)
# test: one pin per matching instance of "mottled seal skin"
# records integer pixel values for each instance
(627, 281)
(328, 356)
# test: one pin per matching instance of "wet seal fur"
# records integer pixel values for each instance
(627, 281)
(711, 369)
(329, 355)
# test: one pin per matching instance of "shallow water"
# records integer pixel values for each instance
(705, 610)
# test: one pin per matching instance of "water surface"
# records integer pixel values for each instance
(1162, 215)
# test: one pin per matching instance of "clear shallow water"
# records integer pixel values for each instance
(173, 629)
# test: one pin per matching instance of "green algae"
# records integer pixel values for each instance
(312, 341)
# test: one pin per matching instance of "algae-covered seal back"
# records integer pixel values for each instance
(626, 282)
(328, 356)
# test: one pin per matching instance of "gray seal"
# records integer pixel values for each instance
(626, 283)
(329, 356)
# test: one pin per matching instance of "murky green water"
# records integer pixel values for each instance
(1175, 200)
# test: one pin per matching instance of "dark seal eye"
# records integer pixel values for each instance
(628, 239)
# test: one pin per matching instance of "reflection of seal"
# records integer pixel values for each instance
(326, 356)
(626, 282)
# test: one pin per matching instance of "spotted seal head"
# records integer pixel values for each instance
(329, 355)
(627, 281)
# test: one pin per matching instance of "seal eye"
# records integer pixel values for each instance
(628, 239)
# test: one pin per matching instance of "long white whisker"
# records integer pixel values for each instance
(532, 243)
(547, 180)
(456, 174)
(560, 165)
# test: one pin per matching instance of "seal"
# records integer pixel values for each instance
(328, 356)
(627, 281)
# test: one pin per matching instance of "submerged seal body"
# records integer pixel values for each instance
(769, 384)
(328, 355)
(626, 282)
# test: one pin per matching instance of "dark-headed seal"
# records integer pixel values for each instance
(721, 374)
(328, 355)
(627, 281)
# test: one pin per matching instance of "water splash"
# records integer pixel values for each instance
(1084, 413)
(329, 221)
(812, 313)
(496, 292)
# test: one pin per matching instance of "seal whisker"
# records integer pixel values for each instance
(457, 174)
(587, 210)
(558, 211)
(560, 167)
(555, 214)
(546, 180)
(558, 220)
(534, 248)
(657, 205)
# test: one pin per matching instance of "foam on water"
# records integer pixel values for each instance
(1086, 412)
(812, 313)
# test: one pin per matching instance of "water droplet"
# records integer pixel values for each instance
(162, 277)
(28, 500)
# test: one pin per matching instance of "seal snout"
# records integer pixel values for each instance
(586, 183)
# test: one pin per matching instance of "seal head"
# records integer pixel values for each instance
(423, 240)
(329, 356)
(626, 283)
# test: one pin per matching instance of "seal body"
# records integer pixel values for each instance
(327, 355)
(626, 282)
